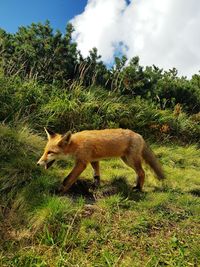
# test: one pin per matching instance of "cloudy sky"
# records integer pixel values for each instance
(165, 33)
(161, 32)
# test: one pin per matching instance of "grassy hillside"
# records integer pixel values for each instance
(112, 226)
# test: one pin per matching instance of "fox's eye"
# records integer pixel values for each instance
(50, 152)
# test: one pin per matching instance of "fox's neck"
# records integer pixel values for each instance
(70, 148)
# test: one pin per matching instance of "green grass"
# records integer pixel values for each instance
(112, 226)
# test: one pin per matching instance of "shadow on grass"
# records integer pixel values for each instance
(82, 188)
(118, 185)
(195, 192)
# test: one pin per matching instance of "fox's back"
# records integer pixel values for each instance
(105, 136)
(103, 143)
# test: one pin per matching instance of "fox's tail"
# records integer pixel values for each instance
(150, 159)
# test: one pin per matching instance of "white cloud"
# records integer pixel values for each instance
(164, 33)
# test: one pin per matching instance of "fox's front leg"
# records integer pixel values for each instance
(74, 174)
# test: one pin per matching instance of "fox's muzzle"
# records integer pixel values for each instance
(45, 164)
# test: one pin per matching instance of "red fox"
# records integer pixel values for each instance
(93, 145)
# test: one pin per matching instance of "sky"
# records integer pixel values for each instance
(164, 33)
(15, 13)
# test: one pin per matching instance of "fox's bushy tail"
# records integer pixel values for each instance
(151, 160)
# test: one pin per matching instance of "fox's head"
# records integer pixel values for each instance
(54, 148)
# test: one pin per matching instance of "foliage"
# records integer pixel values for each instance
(37, 52)
(40, 53)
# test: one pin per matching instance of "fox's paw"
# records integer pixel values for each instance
(137, 188)
(60, 191)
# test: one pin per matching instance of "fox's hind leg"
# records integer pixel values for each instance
(140, 175)
(95, 166)
(136, 164)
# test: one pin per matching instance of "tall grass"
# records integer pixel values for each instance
(77, 108)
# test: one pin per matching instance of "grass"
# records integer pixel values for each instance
(78, 108)
(111, 226)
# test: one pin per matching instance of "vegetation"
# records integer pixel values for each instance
(40, 53)
(77, 107)
(112, 226)
(45, 81)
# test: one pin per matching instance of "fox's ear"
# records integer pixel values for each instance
(50, 134)
(65, 139)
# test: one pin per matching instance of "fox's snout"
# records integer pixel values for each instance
(45, 163)
(41, 162)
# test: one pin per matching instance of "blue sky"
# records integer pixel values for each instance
(15, 13)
